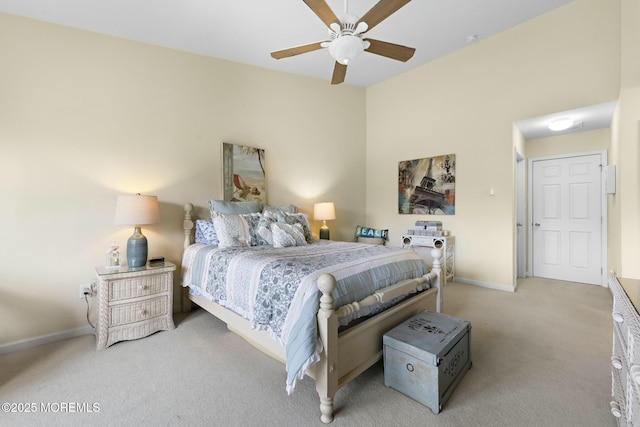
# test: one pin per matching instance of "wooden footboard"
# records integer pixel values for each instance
(347, 354)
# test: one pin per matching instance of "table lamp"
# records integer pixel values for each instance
(324, 211)
(137, 210)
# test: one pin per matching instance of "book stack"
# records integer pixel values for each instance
(428, 228)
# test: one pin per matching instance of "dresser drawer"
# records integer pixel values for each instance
(627, 337)
(618, 396)
(122, 314)
(625, 361)
(138, 287)
(632, 402)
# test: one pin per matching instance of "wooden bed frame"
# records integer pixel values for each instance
(346, 354)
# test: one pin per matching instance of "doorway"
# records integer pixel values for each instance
(520, 231)
(567, 211)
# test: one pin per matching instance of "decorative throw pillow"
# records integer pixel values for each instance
(298, 218)
(264, 235)
(232, 230)
(206, 232)
(285, 235)
(368, 232)
(253, 219)
(222, 207)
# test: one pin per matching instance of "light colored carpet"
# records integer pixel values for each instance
(541, 357)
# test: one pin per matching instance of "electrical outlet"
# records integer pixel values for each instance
(86, 290)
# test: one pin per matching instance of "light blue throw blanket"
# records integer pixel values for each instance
(275, 289)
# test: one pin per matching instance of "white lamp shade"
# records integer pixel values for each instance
(324, 211)
(137, 210)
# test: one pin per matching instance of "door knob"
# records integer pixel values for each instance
(537, 224)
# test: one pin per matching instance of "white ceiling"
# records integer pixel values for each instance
(248, 30)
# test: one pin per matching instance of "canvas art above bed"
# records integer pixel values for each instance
(244, 177)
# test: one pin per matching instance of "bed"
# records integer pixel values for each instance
(327, 320)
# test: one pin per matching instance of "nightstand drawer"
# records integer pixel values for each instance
(138, 287)
(135, 312)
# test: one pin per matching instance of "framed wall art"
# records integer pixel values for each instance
(244, 177)
(427, 186)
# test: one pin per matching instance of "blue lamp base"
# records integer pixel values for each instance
(324, 233)
(137, 249)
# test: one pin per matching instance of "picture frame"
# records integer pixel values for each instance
(427, 186)
(112, 257)
(244, 176)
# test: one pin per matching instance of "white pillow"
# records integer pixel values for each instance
(232, 230)
(285, 235)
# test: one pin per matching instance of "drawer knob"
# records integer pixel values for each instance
(615, 410)
(143, 312)
(635, 373)
(616, 362)
(410, 367)
(144, 287)
(618, 317)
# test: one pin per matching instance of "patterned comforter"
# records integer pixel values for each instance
(275, 289)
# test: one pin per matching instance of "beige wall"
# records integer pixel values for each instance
(466, 102)
(625, 204)
(85, 117)
(626, 149)
(613, 204)
(593, 140)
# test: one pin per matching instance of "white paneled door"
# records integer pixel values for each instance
(567, 222)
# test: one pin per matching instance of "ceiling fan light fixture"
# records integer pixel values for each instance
(346, 48)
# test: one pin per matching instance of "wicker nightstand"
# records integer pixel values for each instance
(133, 303)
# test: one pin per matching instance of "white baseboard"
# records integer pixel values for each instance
(504, 288)
(44, 339)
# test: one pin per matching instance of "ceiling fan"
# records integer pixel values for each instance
(346, 36)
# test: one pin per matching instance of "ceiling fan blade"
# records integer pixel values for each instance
(381, 11)
(324, 12)
(339, 72)
(390, 50)
(293, 51)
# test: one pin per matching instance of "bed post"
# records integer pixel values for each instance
(436, 255)
(187, 226)
(327, 373)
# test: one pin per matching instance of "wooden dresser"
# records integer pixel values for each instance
(625, 371)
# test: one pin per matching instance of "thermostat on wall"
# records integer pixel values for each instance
(610, 179)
